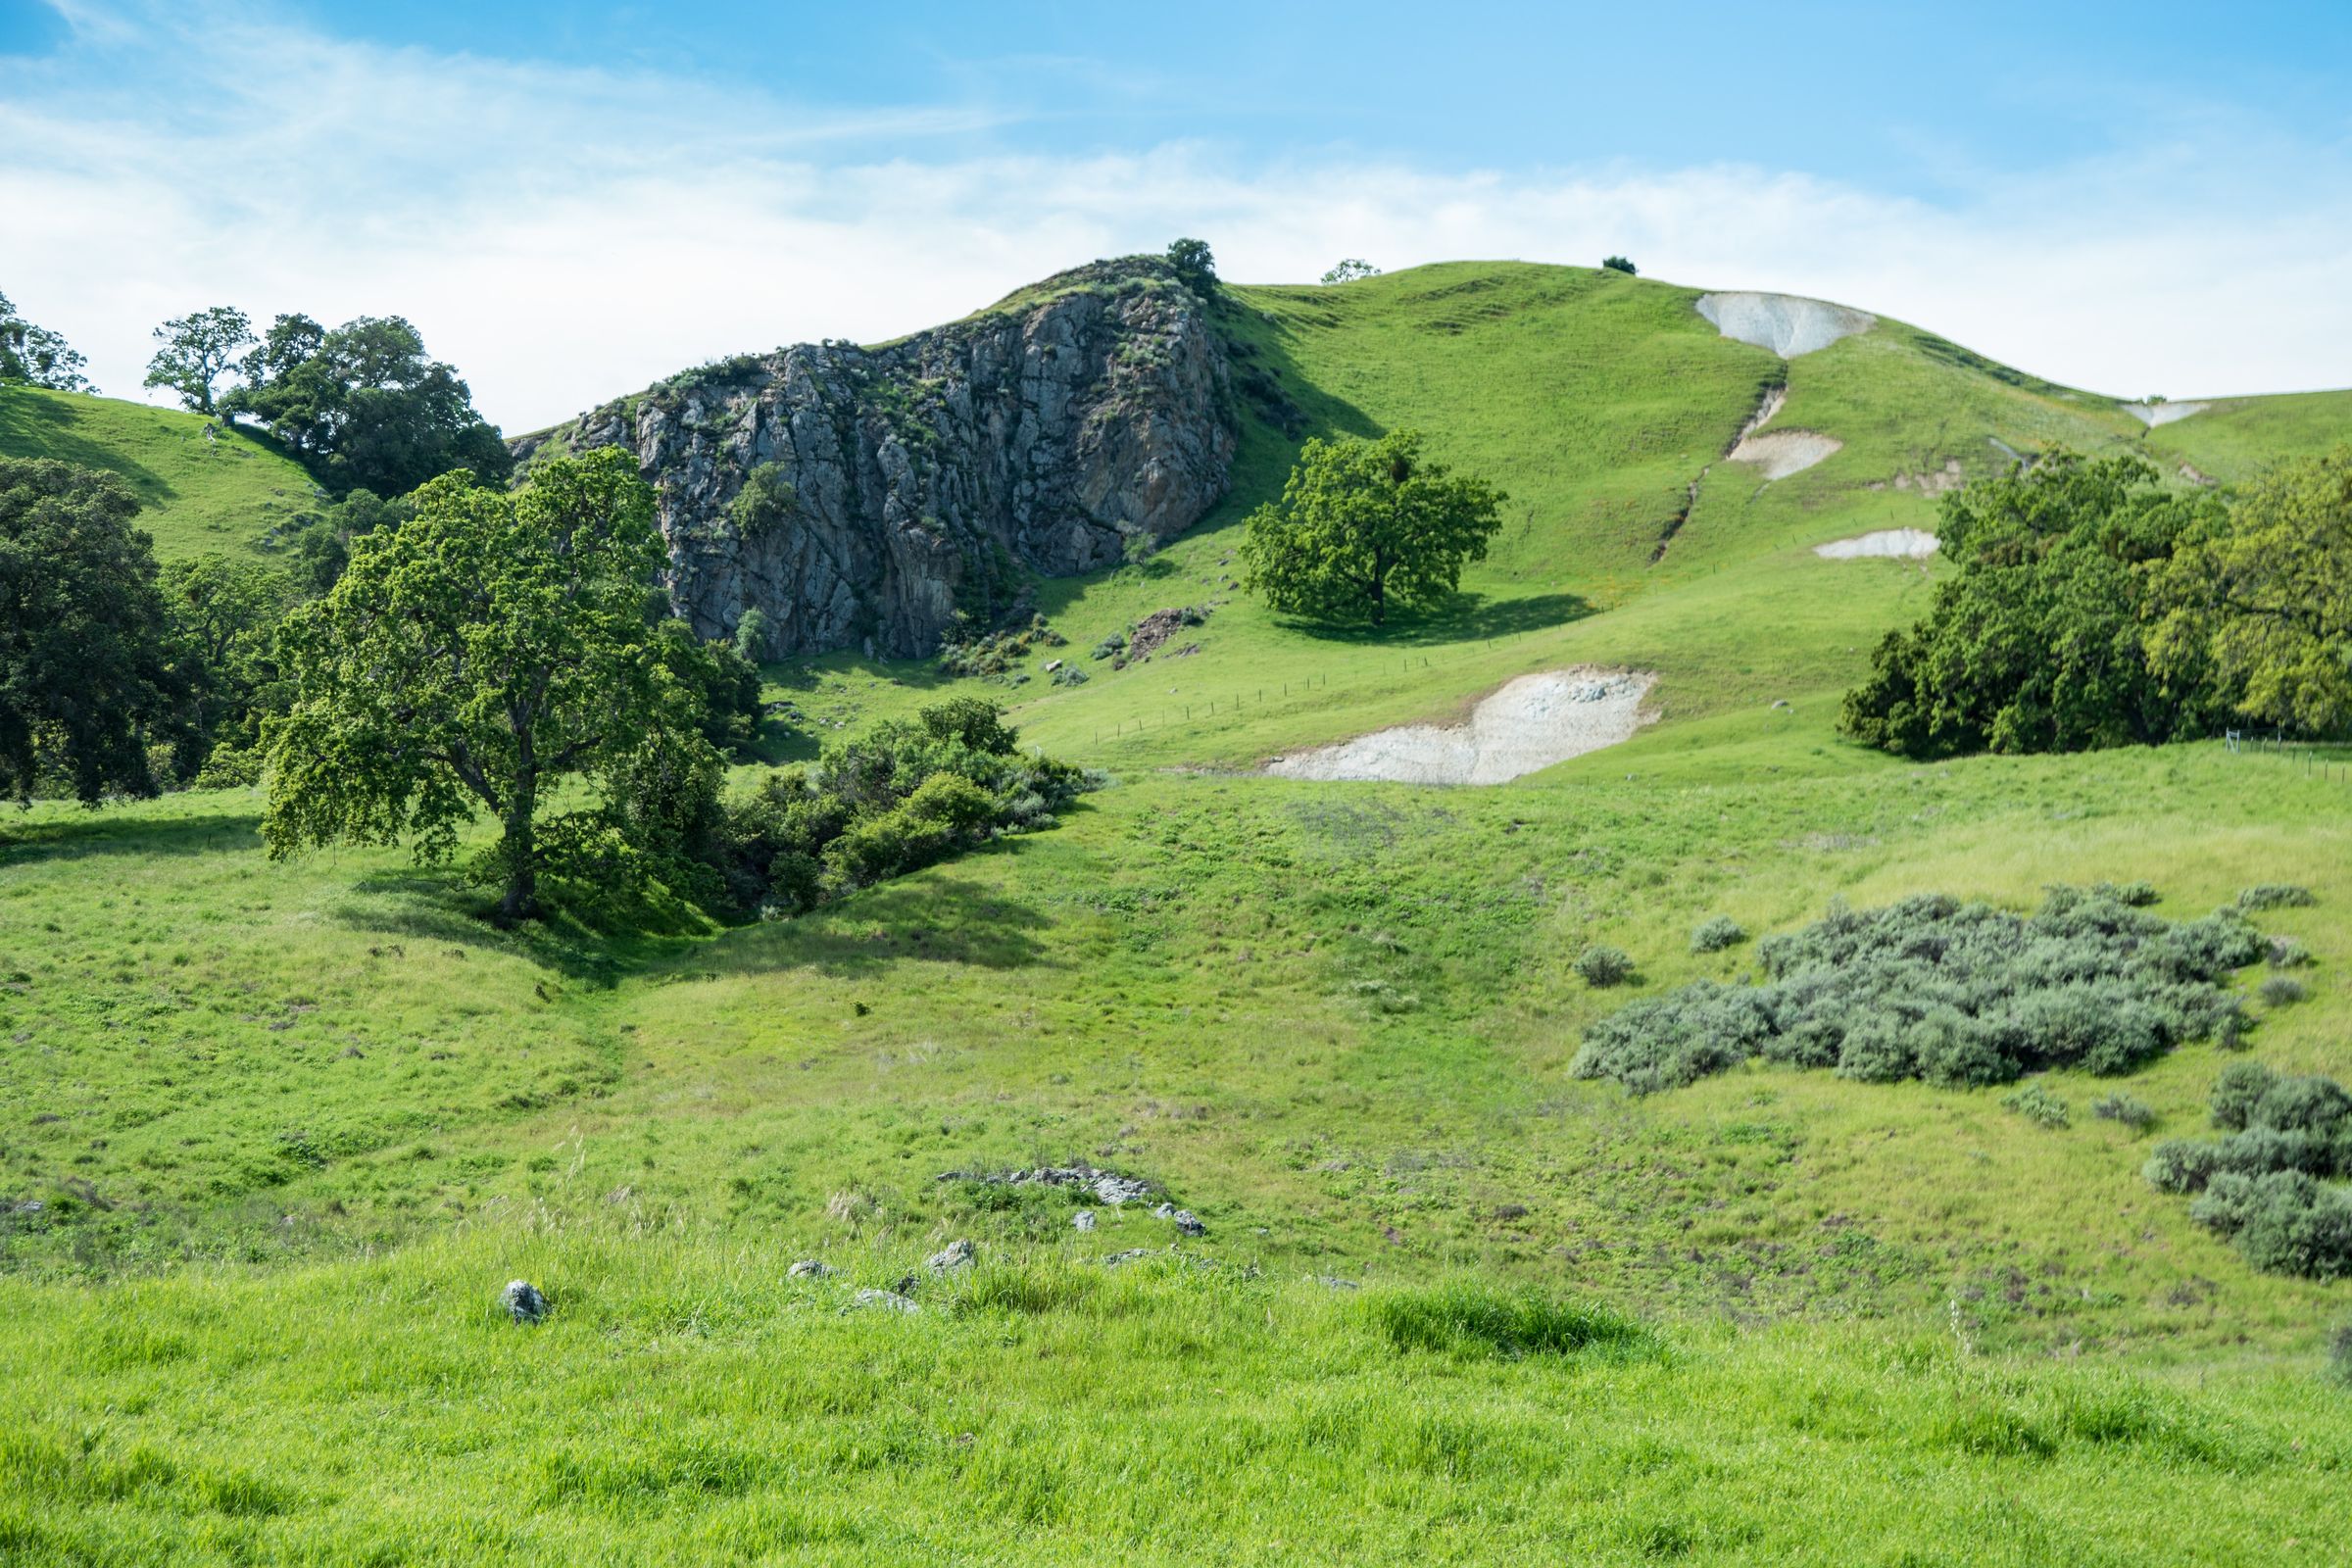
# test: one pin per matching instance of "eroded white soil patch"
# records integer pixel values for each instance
(1781, 453)
(2153, 414)
(1783, 322)
(1914, 543)
(1531, 722)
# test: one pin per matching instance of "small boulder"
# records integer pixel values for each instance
(1128, 1256)
(1183, 1219)
(808, 1268)
(523, 1302)
(888, 1300)
(949, 1259)
(1084, 1219)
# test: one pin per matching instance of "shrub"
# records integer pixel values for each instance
(1602, 965)
(1716, 933)
(2288, 953)
(1618, 264)
(2137, 1114)
(1069, 675)
(1959, 994)
(903, 795)
(2276, 896)
(2279, 991)
(2266, 1184)
(1111, 646)
(2238, 1091)
(2038, 1106)
(2135, 895)
(2339, 1354)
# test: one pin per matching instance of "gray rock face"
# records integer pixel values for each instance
(523, 1301)
(888, 1300)
(926, 476)
(951, 1257)
(810, 1268)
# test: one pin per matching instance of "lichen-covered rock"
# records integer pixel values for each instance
(523, 1301)
(810, 1268)
(925, 476)
(951, 1257)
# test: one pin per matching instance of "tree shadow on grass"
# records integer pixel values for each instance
(106, 832)
(36, 425)
(1466, 619)
(938, 919)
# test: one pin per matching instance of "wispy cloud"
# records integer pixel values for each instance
(563, 234)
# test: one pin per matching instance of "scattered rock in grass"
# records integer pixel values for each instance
(956, 1255)
(1115, 1259)
(1159, 626)
(1108, 1186)
(1083, 1220)
(889, 1301)
(46, 1117)
(1331, 1281)
(27, 1208)
(1510, 1211)
(810, 1268)
(1183, 1219)
(523, 1302)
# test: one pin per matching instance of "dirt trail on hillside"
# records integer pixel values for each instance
(1530, 723)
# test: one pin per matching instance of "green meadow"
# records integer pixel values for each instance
(273, 1135)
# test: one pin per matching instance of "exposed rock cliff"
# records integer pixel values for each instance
(924, 476)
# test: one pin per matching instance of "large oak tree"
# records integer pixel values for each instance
(1362, 525)
(473, 658)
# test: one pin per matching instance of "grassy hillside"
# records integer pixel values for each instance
(273, 1136)
(202, 493)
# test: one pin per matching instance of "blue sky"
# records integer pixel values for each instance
(572, 199)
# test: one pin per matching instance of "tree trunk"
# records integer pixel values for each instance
(520, 851)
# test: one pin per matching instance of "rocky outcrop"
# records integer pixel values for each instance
(860, 498)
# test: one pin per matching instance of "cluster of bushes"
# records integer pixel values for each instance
(1953, 993)
(905, 795)
(2267, 1185)
(967, 650)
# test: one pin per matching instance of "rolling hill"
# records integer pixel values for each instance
(204, 486)
(286, 1129)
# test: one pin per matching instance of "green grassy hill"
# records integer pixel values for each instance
(290, 1127)
(201, 493)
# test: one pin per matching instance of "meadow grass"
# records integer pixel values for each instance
(273, 1135)
(198, 494)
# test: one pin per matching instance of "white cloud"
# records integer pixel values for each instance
(562, 235)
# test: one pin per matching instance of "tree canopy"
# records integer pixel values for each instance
(1196, 266)
(1348, 270)
(35, 355)
(1365, 525)
(363, 406)
(2038, 642)
(198, 349)
(2265, 599)
(84, 671)
(494, 644)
